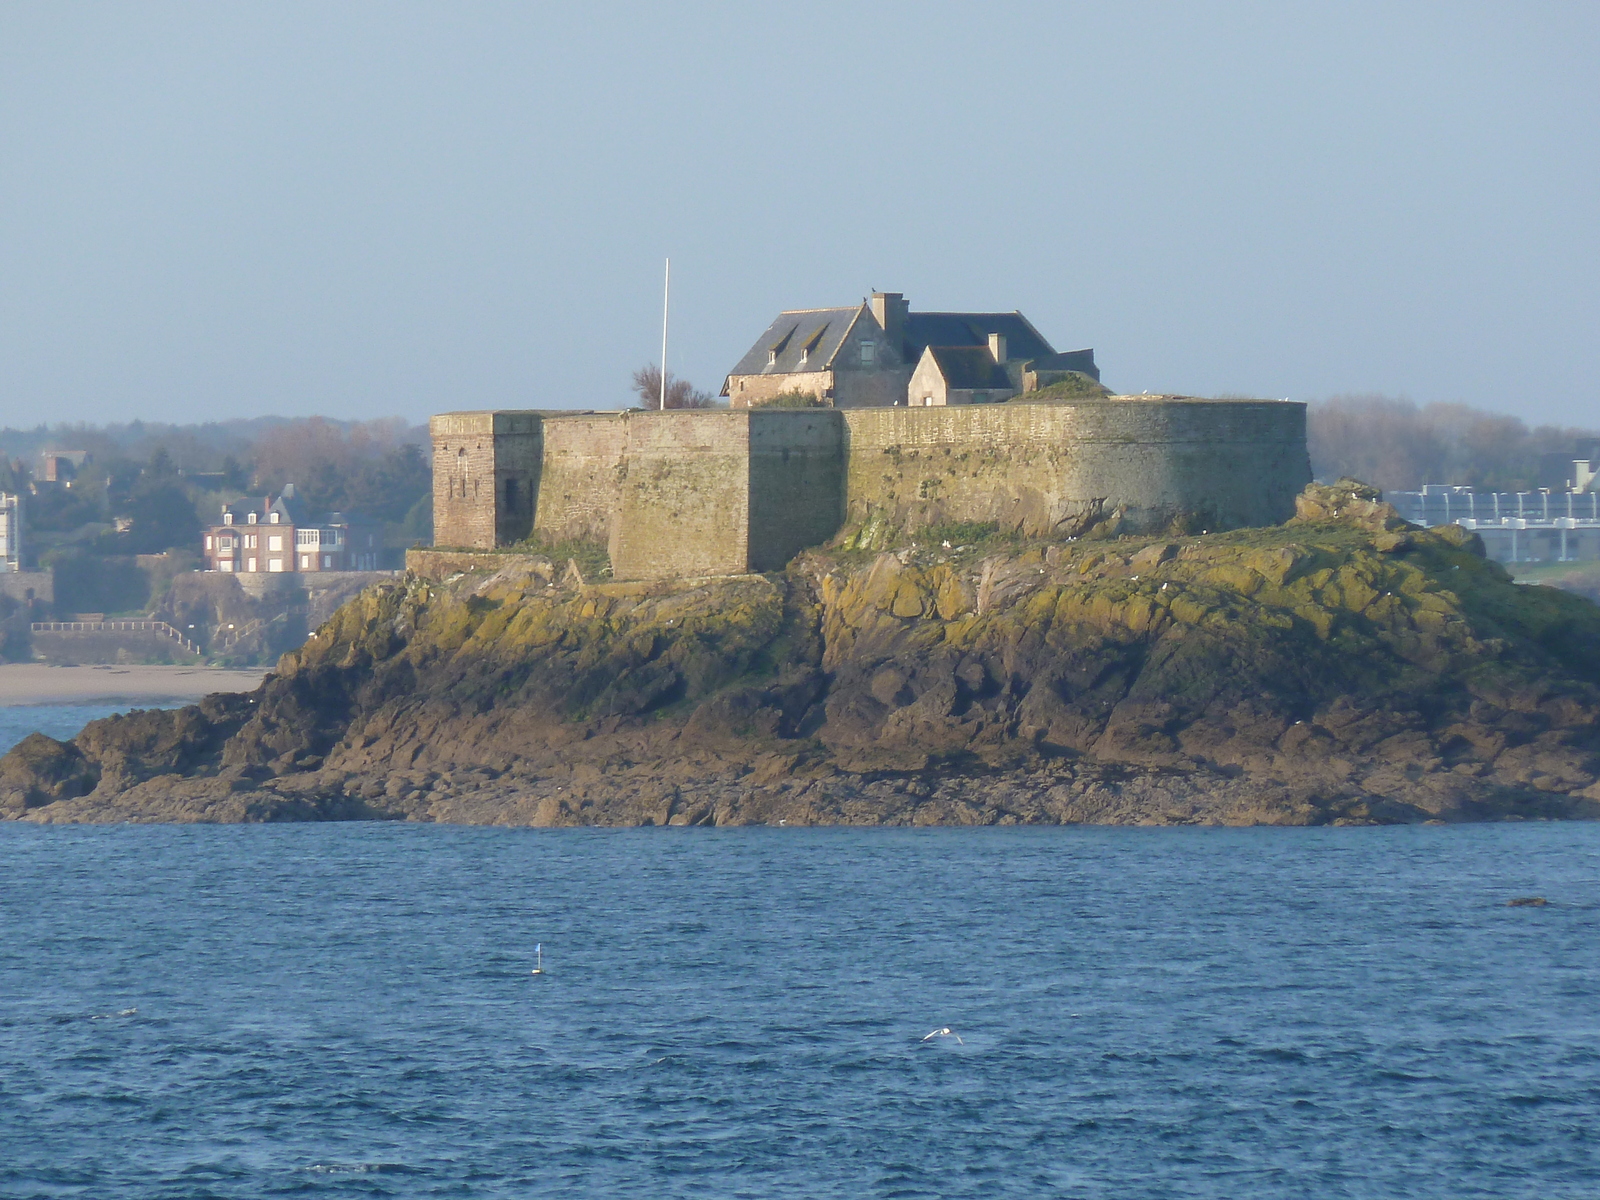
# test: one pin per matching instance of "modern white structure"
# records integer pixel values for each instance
(1516, 527)
(10, 533)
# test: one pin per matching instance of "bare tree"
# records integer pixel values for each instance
(680, 392)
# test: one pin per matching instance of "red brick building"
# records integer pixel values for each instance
(276, 536)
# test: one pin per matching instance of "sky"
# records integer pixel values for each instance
(370, 209)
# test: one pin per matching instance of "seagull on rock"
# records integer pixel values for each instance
(945, 1032)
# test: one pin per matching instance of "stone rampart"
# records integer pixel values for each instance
(579, 477)
(683, 502)
(439, 565)
(1043, 468)
(486, 469)
(688, 493)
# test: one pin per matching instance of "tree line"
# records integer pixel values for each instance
(1398, 445)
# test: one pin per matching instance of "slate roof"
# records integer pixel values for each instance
(814, 333)
(1070, 360)
(969, 367)
(288, 507)
(925, 329)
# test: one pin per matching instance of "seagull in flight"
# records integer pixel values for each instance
(945, 1032)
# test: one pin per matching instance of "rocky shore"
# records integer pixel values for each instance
(1342, 668)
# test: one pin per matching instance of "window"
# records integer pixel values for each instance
(250, 541)
(225, 565)
(208, 541)
(327, 562)
(250, 564)
(272, 518)
(305, 562)
(274, 564)
(869, 353)
(275, 542)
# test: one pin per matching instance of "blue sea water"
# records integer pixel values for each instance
(348, 1010)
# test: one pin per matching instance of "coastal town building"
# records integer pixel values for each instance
(10, 533)
(16, 581)
(61, 466)
(877, 354)
(1542, 526)
(276, 536)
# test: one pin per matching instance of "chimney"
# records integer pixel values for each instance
(889, 310)
(997, 347)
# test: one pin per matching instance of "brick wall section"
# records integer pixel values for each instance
(578, 483)
(683, 503)
(1048, 467)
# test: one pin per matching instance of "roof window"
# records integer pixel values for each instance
(779, 346)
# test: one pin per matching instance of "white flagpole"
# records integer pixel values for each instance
(666, 296)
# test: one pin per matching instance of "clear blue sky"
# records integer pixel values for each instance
(360, 209)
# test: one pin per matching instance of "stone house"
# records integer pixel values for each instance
(276, 536)
(866, 356)
(961, 375)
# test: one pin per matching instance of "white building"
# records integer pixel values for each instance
(10, 533)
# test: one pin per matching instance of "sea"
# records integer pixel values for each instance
(331, 1010)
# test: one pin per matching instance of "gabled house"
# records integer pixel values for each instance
(866, 356)
(277, 536)
(961, 375)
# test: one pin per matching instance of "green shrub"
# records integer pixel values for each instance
(792, 399)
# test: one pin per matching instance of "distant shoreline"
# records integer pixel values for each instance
(40, 683)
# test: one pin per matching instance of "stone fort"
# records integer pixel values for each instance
(686, 493)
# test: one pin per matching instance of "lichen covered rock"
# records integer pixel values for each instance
(1342, 668)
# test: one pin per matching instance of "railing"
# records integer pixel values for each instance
(161, 628)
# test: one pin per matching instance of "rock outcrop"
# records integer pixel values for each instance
(1342, 668)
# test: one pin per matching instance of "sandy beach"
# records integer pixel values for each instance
(40, 683)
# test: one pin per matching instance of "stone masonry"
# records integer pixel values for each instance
(687, 493)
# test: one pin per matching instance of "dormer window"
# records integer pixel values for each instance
(227, 518)
(272, 518)
(812, 342)
(252, 518)
(779, 346)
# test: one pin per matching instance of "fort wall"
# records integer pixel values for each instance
(691, 493)
(796, 482)
(683, 495)
(486, 468)
(1043, 468)
(579, 477)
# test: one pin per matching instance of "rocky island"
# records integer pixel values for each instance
(1340, 668)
